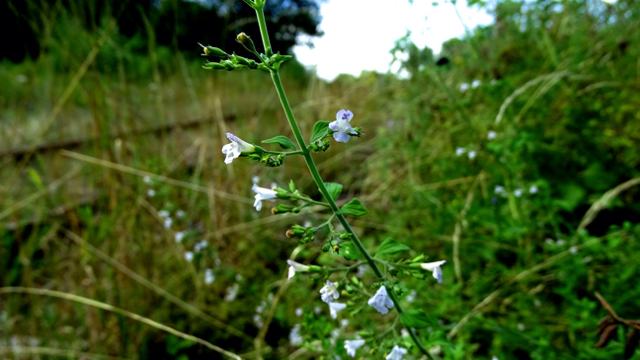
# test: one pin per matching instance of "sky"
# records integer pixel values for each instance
(358, 34)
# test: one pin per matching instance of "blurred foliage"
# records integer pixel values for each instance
(180, 24)
(566, 76)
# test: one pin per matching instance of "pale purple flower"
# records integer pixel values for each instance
(167, 223)
(294, 336)
(329, 292)
(381, 301)
(298, 312)
(262, 194)
(151, 193)
(472, 154)
(232, 292)
(396, 353)
(352, 345)
(146, 179)
(341, 126)
(334, 307)
(475, 83)
(435, 268)
(499, 189)
(460, 151)
(188, 256)
(237, 147)
(517, 192)
(533, 189)
(464, 87)
(180, 213)
(179, 236)
(491, 135)
(163, 214)
(296, 267)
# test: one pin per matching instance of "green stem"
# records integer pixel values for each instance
(275, 76)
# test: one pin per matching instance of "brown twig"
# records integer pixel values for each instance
(630, 323)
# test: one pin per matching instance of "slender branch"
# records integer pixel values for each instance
(275, 76)
(615, 316)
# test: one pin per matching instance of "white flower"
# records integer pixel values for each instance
(396, 353)
(344, 323)
(180, 213)
(167, 223)
(262, 194)
(491, 135)
(239, 277)
(255, 179)
(494, 358)
(151, 193)
(329, 292)
(237, 147)
(188, 256)
(517, 192)
(147, 180)
(362, 270)
(232, 292)
(573, 250)
(163, 214)
(499, 189)
(298, 312)
(381, 301)
(341, 126)
(317, 310)
(294, 336)
(201, 245)
(179, 236)
(352, 345)
(258, 321)
(521, 327)
(411, 297)
(464, 87)
(533, 189)
(334, 307)
(296, 267)
(208, 276)
(472, 154)
(435, 267)
(475, 83)
(460, 151)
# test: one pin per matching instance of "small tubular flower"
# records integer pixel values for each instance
(296, 267)
(329, 292)
(396, 353)
(237, 147)
(381, 301)
(334, 307)
(341, 126)
(352, 345)
(262, 194)
(435, 268)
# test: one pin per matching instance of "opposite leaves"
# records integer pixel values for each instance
(283, 141)
(390, 247)
(353, 207)
(320, 129)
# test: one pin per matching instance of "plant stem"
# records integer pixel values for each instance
(275, 76)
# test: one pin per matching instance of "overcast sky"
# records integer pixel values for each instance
(360, 33)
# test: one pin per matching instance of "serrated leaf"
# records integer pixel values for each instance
(353, 207)
(283, 141)
(415, 319)
(319, 130)
(334, 189)
(391, 247)
(349, 251)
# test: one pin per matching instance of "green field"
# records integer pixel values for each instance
(112, 171)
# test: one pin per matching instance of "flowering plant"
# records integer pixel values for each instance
(345, 243)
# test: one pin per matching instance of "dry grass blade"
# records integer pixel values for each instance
(458, 228)
(161, 178)
(101, 305)
(157, 289)
(36, 350)
(604, 201)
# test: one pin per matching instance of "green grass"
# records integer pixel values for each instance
(521, 272)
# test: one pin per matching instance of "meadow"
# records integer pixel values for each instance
(513, 155)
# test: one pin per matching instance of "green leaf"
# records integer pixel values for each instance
(319, 130)
(334, 189)
(390, 247)
(349, 251)
(416, 319)
(353, 207)
(283, 141)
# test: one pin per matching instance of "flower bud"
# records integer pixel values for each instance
(282, 209)
(336, 249)
(246, 41)
(213, 51)
(244, 61)
(345, 236)
(214, 66)
(296, 230)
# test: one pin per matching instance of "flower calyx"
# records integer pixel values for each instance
(213, 51)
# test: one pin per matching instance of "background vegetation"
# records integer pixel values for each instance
(105, 128)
